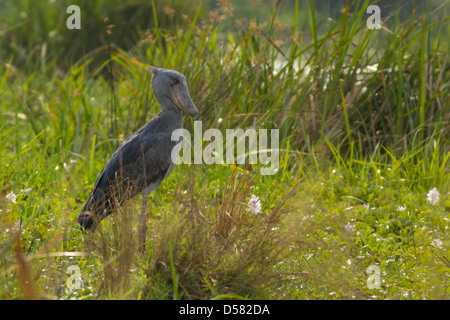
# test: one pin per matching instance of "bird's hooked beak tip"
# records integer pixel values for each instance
(184, 102)
(192, 111)
(194, 114)
(87, 221)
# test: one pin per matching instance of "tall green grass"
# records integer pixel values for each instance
(364, 127)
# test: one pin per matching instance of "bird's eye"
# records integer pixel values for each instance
(175, 82)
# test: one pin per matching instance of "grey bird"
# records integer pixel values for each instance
(143, 160)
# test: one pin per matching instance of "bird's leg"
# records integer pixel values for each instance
(142, 226)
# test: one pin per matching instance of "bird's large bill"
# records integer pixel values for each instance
(183, 99)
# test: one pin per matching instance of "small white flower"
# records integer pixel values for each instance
(401, 208)
(349, 227)
(372, 68)
(433, 196)
(367, 206)
(437, 243)
(254, 205)
(16, 227)
(11, 197)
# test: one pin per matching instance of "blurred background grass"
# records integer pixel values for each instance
(319, 57)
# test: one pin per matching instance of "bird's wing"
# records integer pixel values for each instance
(139, 160)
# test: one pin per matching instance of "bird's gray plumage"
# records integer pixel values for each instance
(143, 160)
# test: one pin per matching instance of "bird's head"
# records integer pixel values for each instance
(172, 85)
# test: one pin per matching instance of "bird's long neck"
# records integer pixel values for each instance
(170, 114)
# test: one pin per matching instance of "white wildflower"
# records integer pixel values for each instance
(401, 208)
(254, 205)
(16, 226)
(372, 68)
(437, 243)
(11, 197)
(349, 227)
(433, 196)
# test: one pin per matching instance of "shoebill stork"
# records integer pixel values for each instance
(143, 160)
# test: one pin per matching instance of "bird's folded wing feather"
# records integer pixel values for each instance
(142, 160)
